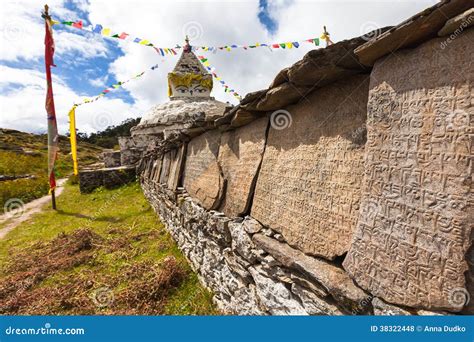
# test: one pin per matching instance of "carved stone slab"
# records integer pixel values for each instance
(176, 167)
(240, 155)
(416, 213)
(202, 176)
(165, 167)
(309, 185)
(155, 172)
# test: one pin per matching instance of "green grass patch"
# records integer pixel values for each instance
(100, 253)
(26, 154)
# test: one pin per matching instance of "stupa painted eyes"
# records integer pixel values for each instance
(193, 90)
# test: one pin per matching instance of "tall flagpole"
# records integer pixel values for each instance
(49, 105)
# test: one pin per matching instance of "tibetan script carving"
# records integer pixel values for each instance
(416, 212)
(309, 185)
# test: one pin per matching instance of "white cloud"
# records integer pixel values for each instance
(22, 32)
(23, 109)
(211, 23)
(98, 82)
(227, 22)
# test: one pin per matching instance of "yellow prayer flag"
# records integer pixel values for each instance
(144, 42)
(106, 32)
(289, 45)
(72, 138)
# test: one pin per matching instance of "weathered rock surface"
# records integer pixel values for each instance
(313, 304)
(111, 158)
(130, 153)
(240, 155)
(416, 216)
(181, 111)
(308, 188)
(333, 279)
(385, 309)
(275, 297)
(202, 175)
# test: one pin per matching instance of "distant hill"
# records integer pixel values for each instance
(23, 163)
(108, 138)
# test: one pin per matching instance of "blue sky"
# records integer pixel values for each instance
(264, 15)
(87, 62)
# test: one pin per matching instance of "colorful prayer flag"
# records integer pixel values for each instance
(77, 24)
(97, 29)
(72, 138)
(53, 136)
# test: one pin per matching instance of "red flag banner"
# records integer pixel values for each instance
(50, 110)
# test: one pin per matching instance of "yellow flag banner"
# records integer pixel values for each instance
(72, 138)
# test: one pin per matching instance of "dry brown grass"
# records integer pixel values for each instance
(147, 284)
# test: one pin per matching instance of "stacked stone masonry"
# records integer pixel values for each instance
(361, 204)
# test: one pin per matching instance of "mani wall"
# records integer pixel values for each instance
(355, 198)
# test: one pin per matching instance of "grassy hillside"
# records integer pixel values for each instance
(108, 255)
(26, 154)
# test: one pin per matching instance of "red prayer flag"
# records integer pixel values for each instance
(77, 24)
(50, 110)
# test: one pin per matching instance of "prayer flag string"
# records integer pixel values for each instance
(114, 86)
(107, 32)
(227, 89)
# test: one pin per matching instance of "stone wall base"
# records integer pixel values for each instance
(110, 178)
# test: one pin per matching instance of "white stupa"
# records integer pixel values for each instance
(189, 91)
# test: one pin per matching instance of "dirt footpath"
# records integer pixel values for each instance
(24, 213)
